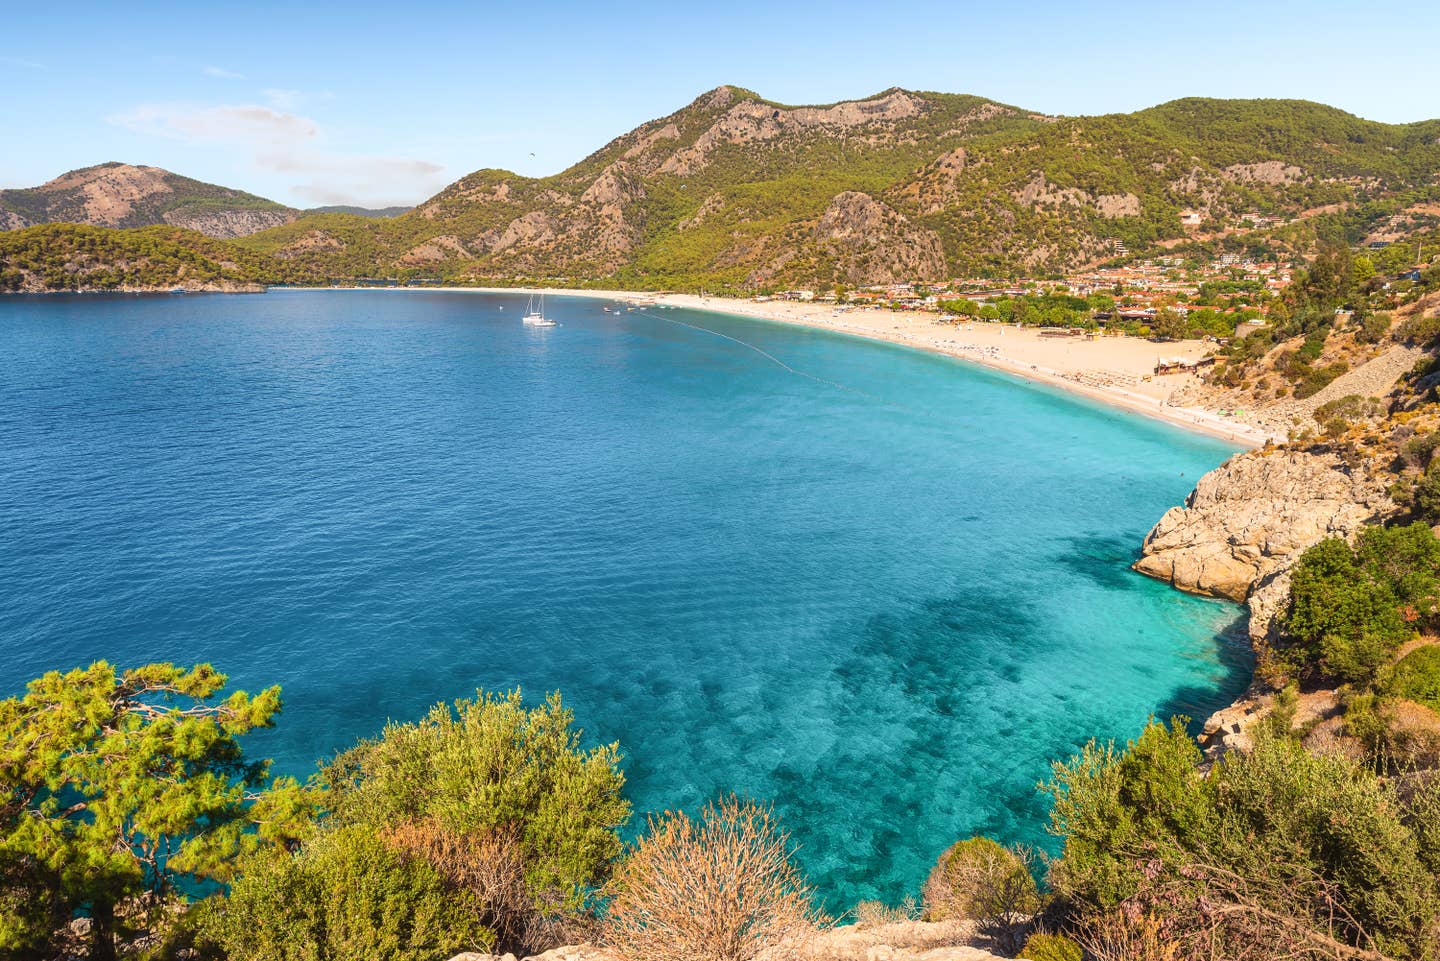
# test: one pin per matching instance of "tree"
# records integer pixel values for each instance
(115, 785)
(722, 888)
(1169, 324)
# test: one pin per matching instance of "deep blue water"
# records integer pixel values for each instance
(880, 588)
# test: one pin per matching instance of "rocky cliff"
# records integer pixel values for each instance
(1249, 519)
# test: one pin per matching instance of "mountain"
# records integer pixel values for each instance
(735, 190)
(124, 195)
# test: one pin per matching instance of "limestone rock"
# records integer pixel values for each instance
(1249, 519)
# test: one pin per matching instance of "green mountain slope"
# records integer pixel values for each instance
(734, 190)
(124, 195)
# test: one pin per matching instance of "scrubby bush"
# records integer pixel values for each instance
(491, 779)
(874, 913)
(348, 894)
(1417, 677)
(1275, 850)
(982, 880)
(1350, 608)
(1050, 947)
(720, 888)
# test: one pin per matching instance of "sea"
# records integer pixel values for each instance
(880, 589)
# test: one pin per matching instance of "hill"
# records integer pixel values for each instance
(124, 195)
(61, 257)
(734, 190)
(360, 211)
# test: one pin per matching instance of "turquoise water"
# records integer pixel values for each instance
(878, 587)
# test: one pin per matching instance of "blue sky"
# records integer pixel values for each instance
(314, 103)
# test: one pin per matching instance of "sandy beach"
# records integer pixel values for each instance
(1116, 370)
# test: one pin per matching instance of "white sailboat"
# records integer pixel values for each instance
(535, 315)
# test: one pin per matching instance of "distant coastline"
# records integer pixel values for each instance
(1073, 364)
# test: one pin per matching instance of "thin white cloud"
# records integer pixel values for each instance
(363, 179)
(27, 64)
(288, 143)
(243, 123)
(211, 70)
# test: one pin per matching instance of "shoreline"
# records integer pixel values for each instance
(1114, 370)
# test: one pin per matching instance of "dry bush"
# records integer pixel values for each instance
(988, 883)
(490, 866)
(1119, 936)
(722, 888)
(874, 913)
(1202, 912)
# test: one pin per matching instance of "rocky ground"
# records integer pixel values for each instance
(896, 941)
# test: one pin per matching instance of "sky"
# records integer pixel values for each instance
(313, 103)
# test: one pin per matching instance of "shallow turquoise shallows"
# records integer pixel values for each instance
(881, 588)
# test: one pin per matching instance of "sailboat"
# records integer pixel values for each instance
(535, 315)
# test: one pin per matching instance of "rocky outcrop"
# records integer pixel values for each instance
(1250, 518)
(752, 121)
(1270, 172)
(227, 224)
(312, 241)
(873, 243)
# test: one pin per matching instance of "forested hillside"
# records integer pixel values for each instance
(737, 191)
(60, 257)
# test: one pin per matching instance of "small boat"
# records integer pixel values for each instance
(535, 315)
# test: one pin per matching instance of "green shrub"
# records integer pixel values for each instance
(1267, 832)
(1111, 804)
(494, 773)
(346, 895)
(1373, 328)
(1050, 947)
(979, 878)
(1351, 406)
(1417, 677)
(1317, 379)
(1349, 609)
